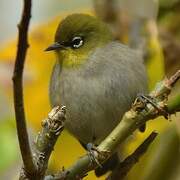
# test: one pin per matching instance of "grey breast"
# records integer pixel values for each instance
(99, 92)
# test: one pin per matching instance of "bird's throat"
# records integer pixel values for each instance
(70, 59)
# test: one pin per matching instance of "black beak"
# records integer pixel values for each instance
(55, 46)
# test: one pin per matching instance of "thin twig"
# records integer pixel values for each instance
(18, 89)
(124, 167)
(174, 79)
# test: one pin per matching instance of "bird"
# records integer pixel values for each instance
(95, 77)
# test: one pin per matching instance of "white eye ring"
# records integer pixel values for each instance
(77, 42)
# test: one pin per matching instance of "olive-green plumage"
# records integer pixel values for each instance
(94, 76)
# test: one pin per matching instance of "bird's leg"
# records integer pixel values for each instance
(93, 153)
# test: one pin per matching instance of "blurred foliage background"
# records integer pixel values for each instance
(152, 26)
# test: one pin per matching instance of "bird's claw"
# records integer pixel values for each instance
(93, 153)
(148, 99)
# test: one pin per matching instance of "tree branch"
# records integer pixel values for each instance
(18, 89)
(124, 167)
(34, 167)
(46, 139)
(132, 120)
(174, 105)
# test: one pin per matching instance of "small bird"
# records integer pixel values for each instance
(96, 78)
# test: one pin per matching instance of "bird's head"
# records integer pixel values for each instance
(77, 36)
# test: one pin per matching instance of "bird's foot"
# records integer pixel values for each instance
(149, 99)
(93, 152)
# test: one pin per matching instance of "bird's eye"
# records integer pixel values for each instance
(77, 42)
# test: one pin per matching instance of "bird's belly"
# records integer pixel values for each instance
(93, 109)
